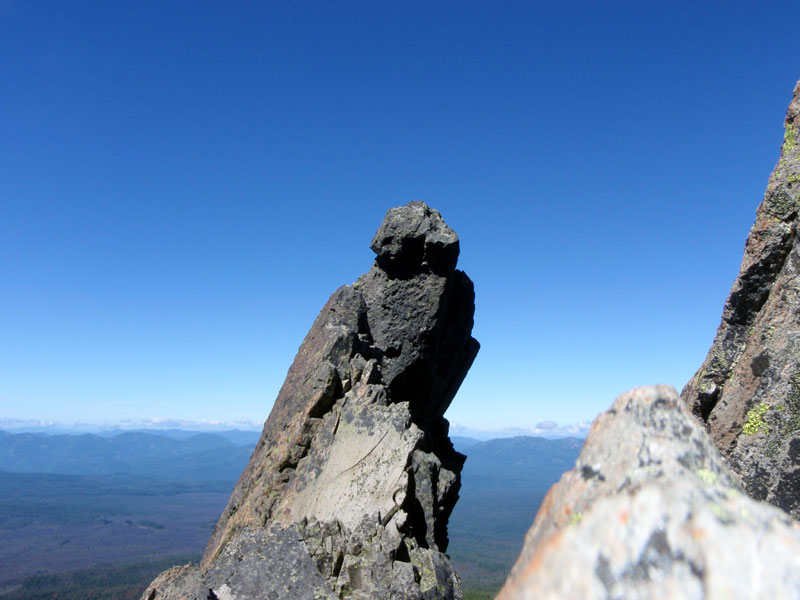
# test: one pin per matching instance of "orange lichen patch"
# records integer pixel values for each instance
(535, 562)
(623, 517)
(787, 541)
(698, 534)
(547, 504)
(596, 424)
(568, 514)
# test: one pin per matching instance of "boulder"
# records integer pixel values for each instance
(747, 391)
(652, 511)
(349, 490)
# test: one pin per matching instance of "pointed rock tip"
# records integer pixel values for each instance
(793, 114)
(414, 238)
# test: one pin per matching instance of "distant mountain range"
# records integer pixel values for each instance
(237, 437)
(507, 463)
(516, 462)
(173, 427)
(176, 455)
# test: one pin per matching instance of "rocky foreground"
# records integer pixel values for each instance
(349, 490)
(652, 511)
(665, 498)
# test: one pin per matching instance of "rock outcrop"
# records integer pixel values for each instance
(349, 490)
(652, 511)
(748, 389)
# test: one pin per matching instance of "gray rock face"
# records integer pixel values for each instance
(748, 389)
(348, 492)
(652, 511)
(266, 564)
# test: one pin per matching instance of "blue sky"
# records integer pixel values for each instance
(182, 186)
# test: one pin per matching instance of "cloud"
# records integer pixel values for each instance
(546, 429)
(19, 425)
(202, 424)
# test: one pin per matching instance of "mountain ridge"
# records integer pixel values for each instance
(204, 456)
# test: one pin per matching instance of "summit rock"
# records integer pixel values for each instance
(349, 490)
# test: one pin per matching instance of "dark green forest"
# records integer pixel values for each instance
(106, 535)
(123, 582)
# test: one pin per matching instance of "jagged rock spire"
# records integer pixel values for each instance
(348, 492)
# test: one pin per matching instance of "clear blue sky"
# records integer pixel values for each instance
(183, 185)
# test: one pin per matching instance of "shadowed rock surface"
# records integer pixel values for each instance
(348, 492)
(652, 511)
(748, 389)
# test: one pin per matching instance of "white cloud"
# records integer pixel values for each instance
(19, 425)
(547, 429)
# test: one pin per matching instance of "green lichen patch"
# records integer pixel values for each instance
(718, 364)
(786, 417)
(773, 447)
(792, 423)
(789, 139)
(779, 202)
(706, 476)
(722, 515)
(754, 421)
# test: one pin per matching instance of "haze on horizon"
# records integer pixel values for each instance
(182, 189)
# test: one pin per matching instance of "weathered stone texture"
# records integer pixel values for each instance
(651, 511)
(260, 564)
(354, 474)
(748, 389)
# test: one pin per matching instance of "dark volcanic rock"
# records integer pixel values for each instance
(348, 492)
(652, 511)
(748, 389)
(269, 563)
(412, 236)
